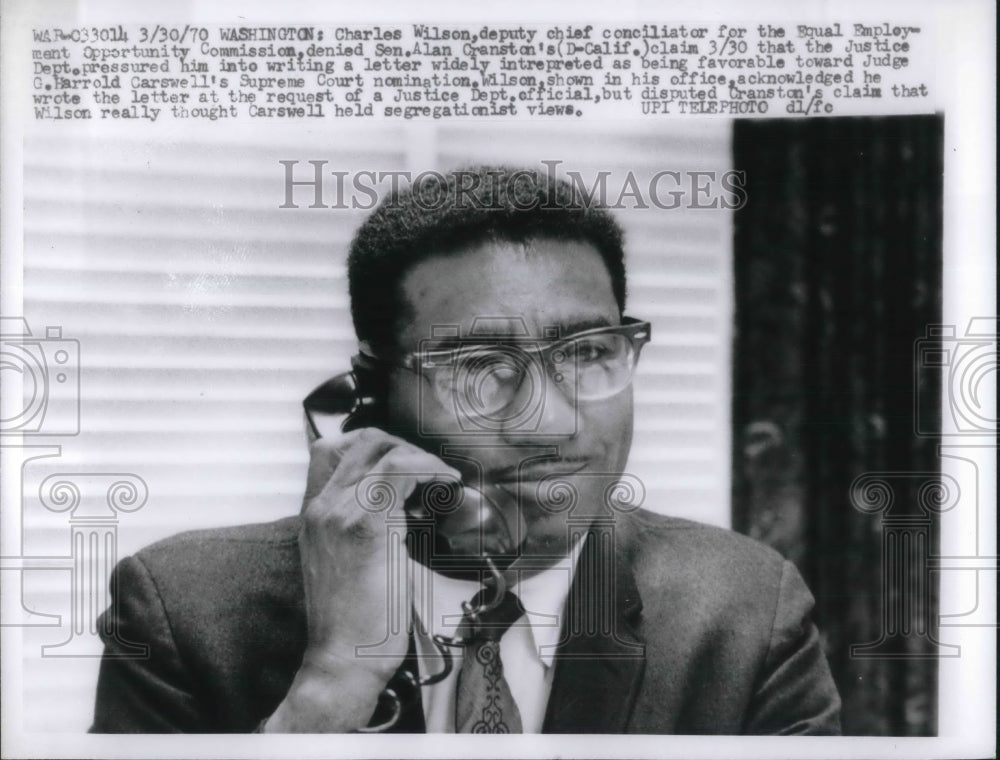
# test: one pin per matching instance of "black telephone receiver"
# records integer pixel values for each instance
(470, 533)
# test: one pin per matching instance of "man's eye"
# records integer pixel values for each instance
(504, 372)
(590, 351)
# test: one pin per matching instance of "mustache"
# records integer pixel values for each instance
(538, 469)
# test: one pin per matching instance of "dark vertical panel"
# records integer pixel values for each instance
(838, 272)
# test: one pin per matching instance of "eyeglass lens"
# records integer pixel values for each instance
(487, 380)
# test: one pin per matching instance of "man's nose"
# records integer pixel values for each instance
(555, 412)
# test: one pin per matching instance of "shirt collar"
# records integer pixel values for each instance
(437, 600)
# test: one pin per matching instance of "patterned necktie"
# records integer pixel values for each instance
(484, 704)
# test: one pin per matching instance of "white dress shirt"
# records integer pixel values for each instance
(527, 649)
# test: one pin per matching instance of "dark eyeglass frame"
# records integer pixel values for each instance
(342, 394)
(639, 333)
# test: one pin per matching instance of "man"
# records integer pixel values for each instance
(494, 351)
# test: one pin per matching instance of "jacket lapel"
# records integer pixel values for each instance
(601, 660)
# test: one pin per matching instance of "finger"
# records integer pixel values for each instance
(362, 452)
(326, 457)
(405, 469)
(414, 461)
(345, 457)
(395, 477)
(340, 467)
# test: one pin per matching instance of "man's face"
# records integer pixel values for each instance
(496, 292)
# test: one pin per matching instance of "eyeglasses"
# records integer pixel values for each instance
(484, 378)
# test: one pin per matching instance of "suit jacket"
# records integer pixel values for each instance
(671, 627)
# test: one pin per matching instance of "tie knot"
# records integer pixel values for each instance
(493, 624)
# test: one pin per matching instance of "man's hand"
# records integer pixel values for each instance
(344, 566)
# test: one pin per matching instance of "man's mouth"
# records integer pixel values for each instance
(510, 478)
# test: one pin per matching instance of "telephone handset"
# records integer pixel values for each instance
(469, 530)
(469, 538)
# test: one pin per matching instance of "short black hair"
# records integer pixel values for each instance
(439, 214)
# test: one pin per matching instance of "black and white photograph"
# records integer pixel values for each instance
(302, 319)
